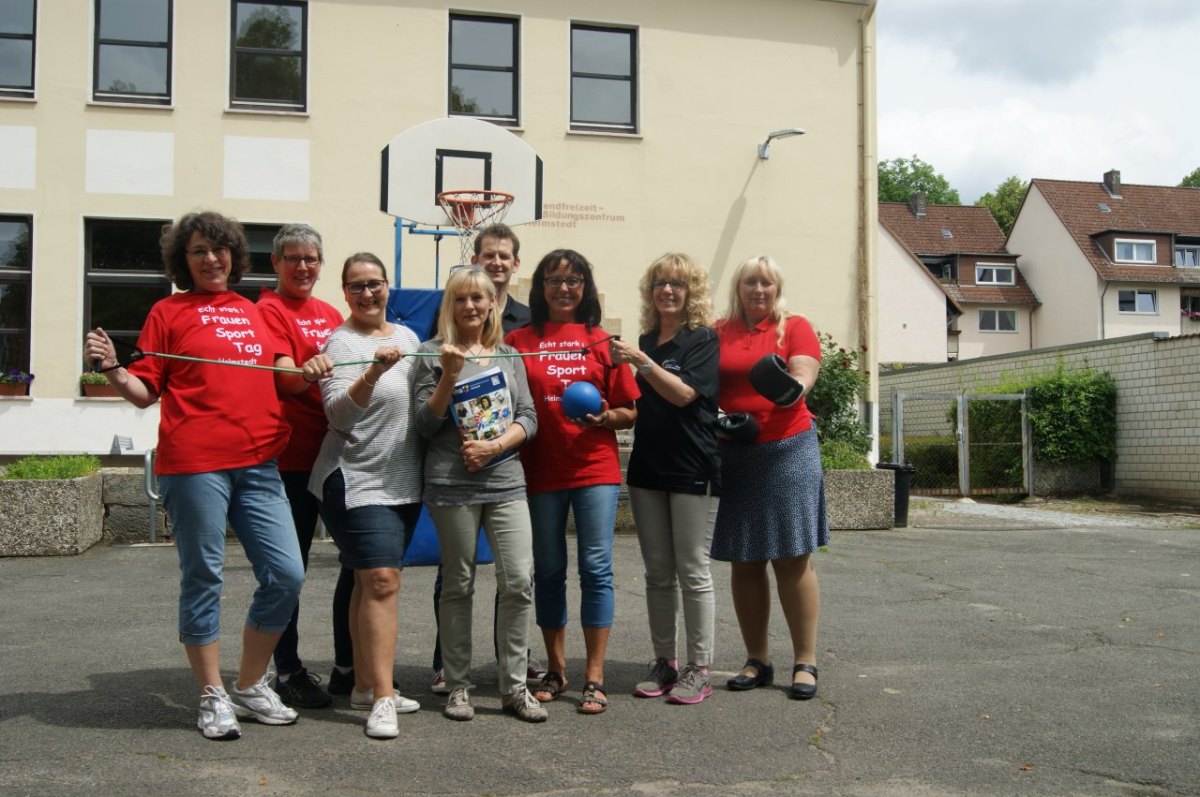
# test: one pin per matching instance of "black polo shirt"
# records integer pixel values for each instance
(674, 448)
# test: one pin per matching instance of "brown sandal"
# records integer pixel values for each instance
(594, 700)
(551, 686)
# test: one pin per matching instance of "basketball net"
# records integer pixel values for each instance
(470, 211)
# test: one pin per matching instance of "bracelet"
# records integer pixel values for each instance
(367, 382)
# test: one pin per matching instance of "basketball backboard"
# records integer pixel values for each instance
(458, 153)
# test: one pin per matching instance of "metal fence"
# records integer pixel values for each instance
(961, 444)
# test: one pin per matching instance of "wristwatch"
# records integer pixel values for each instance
(646, 367)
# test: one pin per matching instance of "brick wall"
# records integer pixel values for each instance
(1158, 402)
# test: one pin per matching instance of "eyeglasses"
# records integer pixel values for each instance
(674, 285)
(202, 254)
(295, 260)
(374, 286)
(570, 282)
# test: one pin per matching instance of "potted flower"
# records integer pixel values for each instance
(96, 385)
(15, 382)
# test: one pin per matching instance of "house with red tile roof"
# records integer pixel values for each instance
(948, 287)
(1110, 260)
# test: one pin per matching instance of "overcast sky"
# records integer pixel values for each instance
(1063, 89)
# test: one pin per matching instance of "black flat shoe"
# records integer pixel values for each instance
(803, 691)
(764, 676)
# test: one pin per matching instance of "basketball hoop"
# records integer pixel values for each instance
(470, 211)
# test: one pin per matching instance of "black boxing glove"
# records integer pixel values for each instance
(739, 428)
(771, 379)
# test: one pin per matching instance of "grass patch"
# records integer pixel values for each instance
(60, 467)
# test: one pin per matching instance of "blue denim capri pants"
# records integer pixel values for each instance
(252, 501)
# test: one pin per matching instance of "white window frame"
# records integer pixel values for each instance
(1134, 243)
(1137, 294)
(995, 268)
(995, 316)
(1193, 249)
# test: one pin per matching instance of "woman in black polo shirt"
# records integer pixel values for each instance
(674, 472)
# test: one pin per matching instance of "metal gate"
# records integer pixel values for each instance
(962, 443)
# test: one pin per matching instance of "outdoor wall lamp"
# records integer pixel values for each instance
(764, 150)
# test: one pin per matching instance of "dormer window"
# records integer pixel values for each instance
(992, 274)
(1187, 256)
(1135, 251)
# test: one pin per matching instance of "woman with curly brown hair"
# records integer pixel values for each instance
(221, 429)
(673, 474)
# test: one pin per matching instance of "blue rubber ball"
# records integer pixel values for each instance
(580, 399)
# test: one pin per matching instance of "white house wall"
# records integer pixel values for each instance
(912, 310)
(972, 342)
(1059, 274)
(714, 79)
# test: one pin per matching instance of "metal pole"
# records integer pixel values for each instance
(964, 448)
(1027, 442)
(898, 426)
(151, 493)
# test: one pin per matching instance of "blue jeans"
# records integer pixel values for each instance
(252, 501)
(595, 512)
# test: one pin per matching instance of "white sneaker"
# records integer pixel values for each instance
(216, 720)
(382, 722)
(365, 701)
(438, 686)
(260, 702)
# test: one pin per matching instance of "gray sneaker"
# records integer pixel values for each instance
(692, 687)
(260, 702)
(660, 680)
(524, 705)
(216, 719)
(458, 706)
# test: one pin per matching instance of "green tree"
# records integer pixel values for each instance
(900, 177)
(1005, 201)
(1192, 180)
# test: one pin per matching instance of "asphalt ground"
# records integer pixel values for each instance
(998, 652)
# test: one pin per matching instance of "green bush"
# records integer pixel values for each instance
(59, 467)
(841, 455)
(834, 399)
(1072, 417)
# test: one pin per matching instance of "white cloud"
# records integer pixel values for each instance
(968, 92)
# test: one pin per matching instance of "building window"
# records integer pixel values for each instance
(261, 240)
(603, 79)
(995, 275)
(269, 70)
(123, 273)
(16, 233)
(484, 54)
(1187, 256)
(997, 320)
(132, 55)
(18, 29)
(1142, 302)
(1135, 251)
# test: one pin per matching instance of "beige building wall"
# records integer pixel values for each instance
(1059, 274)
(714, 79)
(974, 343)
(912, 312)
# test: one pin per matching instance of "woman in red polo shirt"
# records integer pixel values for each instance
(772, 490)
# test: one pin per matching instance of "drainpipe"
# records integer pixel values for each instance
(868, 188)
(1103, 294)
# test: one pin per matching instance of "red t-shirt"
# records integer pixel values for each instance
(303, 325)
(741, 348)
(561, 455)
(213, 417)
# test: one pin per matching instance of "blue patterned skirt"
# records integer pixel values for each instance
(772, 500)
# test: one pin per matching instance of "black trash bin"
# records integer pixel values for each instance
(904, 473)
